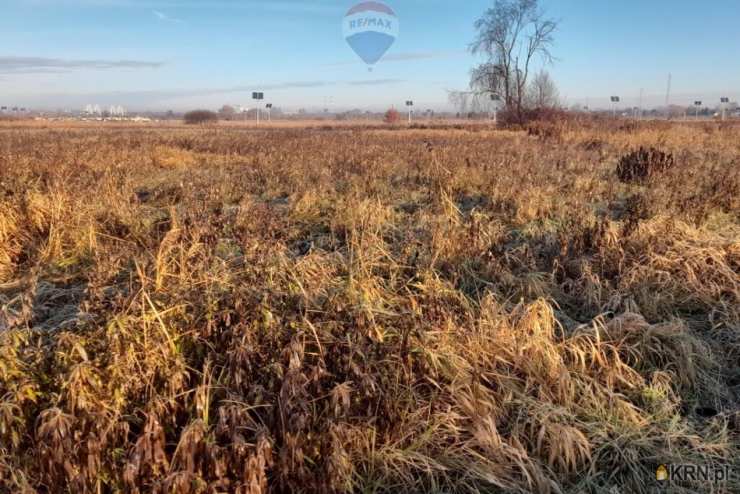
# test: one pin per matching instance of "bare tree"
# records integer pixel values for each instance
(473, 102)
(227, 112)
(511, 34)
(542, 92)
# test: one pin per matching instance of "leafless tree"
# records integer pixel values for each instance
(542, 92)
(473, 101)
(227, 112)
(512, 35)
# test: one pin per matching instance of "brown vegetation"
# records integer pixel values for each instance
(197, 117)
(643, 164)
(392, 116)
(374, 310)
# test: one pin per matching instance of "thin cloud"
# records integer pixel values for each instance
(35, 65)
(298, 7)
(400, 57)
(375, 82)
(403, 57)
(165, 18)
(296, 85)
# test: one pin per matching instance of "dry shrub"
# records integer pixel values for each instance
(593, 144)
(168, 157)
(392, 116)
(644, 164)
(200, 117)
(10, 244)
(545, 131)
(556, 117)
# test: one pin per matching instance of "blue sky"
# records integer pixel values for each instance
(180, 54)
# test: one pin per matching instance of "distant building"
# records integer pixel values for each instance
(116, 111)
(91, 110)
(113, 111)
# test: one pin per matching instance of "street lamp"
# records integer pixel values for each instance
(697, 104)
(615, 100)
(723, 103)
(258, 97)
(495, 98)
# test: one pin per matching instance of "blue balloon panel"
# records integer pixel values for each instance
(370, 46)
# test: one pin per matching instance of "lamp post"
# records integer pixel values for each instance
(259, 97)
(615, 100)
(723, 103)
(495, 98)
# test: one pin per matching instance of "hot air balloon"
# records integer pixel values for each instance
(370, 29)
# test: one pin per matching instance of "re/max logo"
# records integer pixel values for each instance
(694, 473)
(370, 22)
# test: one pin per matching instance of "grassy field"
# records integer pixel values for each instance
(346, 308)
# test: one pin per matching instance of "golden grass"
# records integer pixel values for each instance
(352, 308)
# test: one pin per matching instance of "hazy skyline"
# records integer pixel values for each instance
(168, 54)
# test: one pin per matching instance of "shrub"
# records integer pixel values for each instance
(392, 116)
(643, 164)
(196, 117)
(545, 130)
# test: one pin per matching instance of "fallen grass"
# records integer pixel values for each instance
(360, 309)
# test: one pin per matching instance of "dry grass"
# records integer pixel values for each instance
(364, 309)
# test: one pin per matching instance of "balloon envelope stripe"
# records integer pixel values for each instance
(374, 6)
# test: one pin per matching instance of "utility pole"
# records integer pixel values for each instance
(668, 96)
(328, 100)
(495, 98)
(723, 103)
